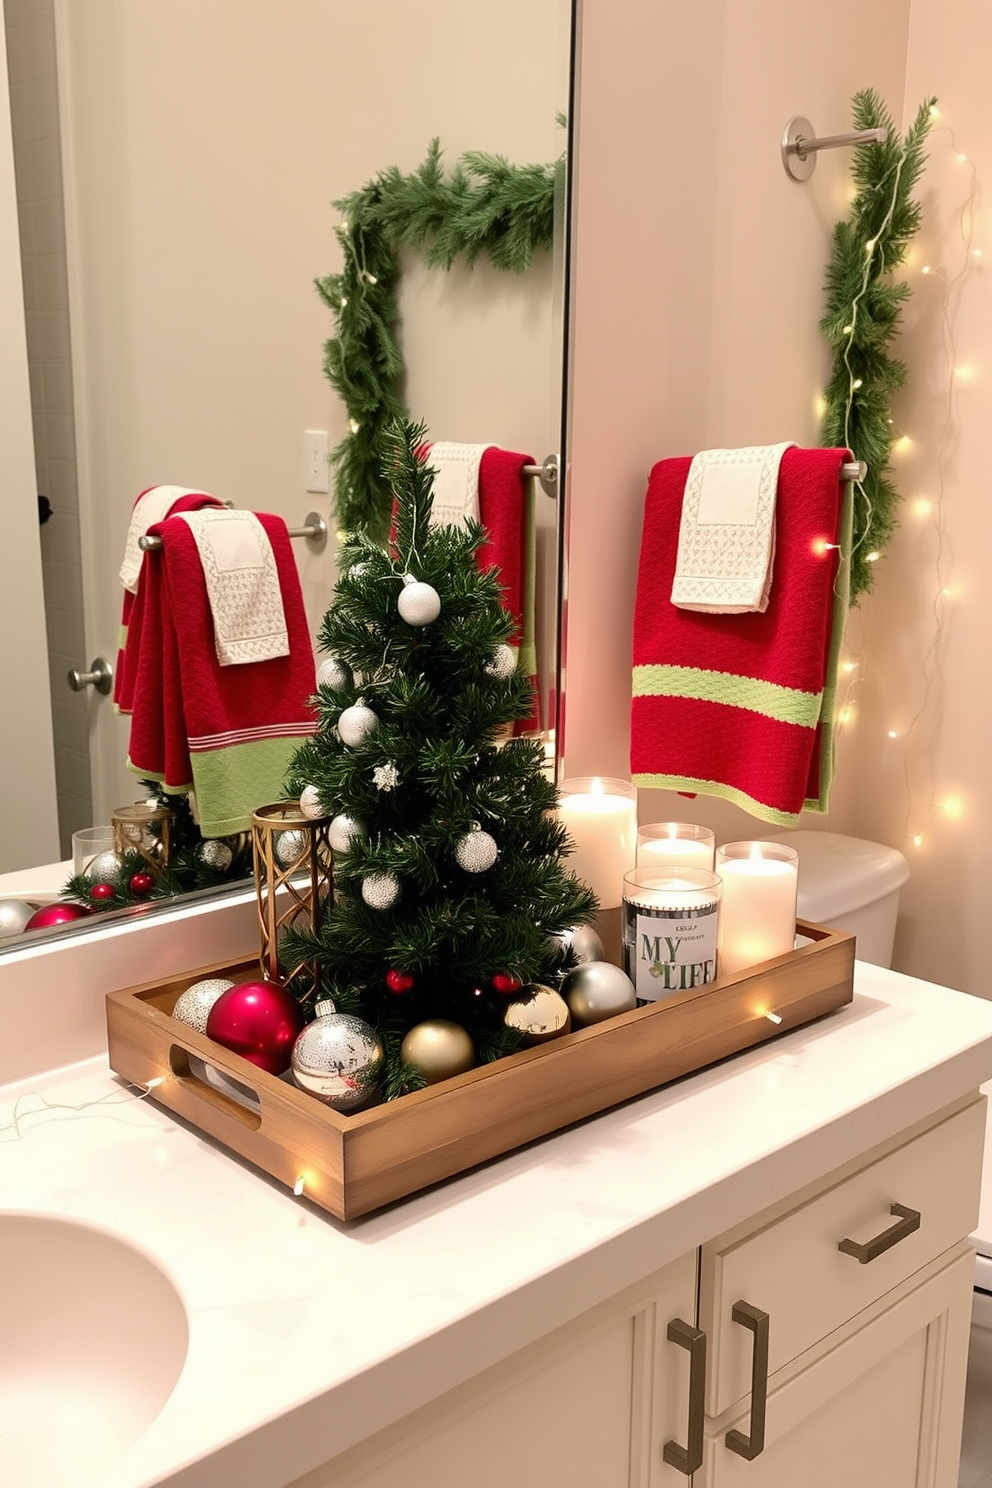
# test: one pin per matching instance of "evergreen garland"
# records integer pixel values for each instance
(863, 312)
(485, 208)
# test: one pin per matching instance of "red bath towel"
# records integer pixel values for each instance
(229, 732)
(506, 510)
(740, 705)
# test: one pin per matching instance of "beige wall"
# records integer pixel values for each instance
(28, 832)
(204, 143)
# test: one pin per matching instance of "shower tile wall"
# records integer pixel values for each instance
(31, 61)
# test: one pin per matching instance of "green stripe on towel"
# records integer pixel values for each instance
(687, 785)
(787, 704)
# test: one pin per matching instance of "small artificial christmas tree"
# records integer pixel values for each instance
(450, 885)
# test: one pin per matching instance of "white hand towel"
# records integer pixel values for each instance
(726, 548)
(151, 506)
(242, 581)
(456, 482)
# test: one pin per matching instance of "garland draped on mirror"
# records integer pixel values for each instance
(863, 312)
(485, 208)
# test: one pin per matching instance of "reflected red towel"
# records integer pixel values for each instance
(740, 706)
(505, 495)
(230, 732)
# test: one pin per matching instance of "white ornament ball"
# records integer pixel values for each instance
(333, 673)
(310, 803)
(597, 990)
(355, 724)
(418, 603)
(216, 855)
(14, 915)
(105, 865)
(290, 847)
(503, 664)
(343, 830)
(476, 851)
(195, 1003)
(380, 890)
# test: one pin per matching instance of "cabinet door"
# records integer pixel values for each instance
(591, 1406)
(881, 1409)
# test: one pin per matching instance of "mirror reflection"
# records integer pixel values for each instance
(175, 174)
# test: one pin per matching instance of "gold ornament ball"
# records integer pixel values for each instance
(596, 990)
(438, 1049)
(541, 1016)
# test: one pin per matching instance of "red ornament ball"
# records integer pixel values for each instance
(62, 913)
(506, 984)
(102, 891)
(258, 1020)
(399, 981)
(141, 883)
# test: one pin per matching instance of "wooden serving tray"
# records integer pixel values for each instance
(353, 1164)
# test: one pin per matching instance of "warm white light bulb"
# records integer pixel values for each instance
(872, 557)
(849, 330)
(963, 159)
(893, 734)
(299, 1185)
(926, 269)
(934, 111)
(923, 507)
(354, 425)
(953, 807)
(918, 840)
(850, 666)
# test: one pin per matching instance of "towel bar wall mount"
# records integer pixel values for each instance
(314, 529)
(800, 144)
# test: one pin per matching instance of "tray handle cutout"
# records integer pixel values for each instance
(216, 1088)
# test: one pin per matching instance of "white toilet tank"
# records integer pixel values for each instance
(851, 884)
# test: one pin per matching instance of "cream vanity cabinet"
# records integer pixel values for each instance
(821, 1342)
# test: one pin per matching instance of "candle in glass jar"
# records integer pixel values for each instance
(758, 912)
(665, 845)
(670, 930)
(600, 816)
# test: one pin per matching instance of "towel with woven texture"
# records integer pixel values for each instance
(741, 705)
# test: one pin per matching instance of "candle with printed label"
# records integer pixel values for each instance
(758, 914)
(670, 930)
(665, 845)
(601, 818)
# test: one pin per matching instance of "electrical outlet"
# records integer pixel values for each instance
(315, 469)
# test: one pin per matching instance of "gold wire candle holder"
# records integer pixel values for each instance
(144, 829)
(293, 883)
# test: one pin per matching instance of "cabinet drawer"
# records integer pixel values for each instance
(792, 1269)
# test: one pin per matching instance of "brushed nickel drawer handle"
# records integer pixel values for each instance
(907, 1223)
(756, 1321)
(690, 1457)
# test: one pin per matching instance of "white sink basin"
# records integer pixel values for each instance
(92, 1340)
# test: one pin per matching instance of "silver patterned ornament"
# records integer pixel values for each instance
(104, 866)
(386, 776)
(583, 942)
(342, 830)
(290, 847)
(418, 603)
(336, 1058)
(14, 915)
(216, 855)
(195, 1003)
(503, 664)
(476, 851)
(380, 890)
(597, 990)
(310, 803)
(333, 673)
(355, 724)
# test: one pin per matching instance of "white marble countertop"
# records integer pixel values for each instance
(308, 1335)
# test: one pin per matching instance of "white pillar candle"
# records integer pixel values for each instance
(665, 845)
(758, 913)
(601, 819)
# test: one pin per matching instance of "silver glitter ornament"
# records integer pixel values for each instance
(216, 855)
(195, 1003)
(418, 603)
(342, 830)
(310, 803)
(597, 990)
(355, 724)
(104, 866)
(583, 942)
(14, 915)
(333, 673)
(380, 890)
(336, 1058)
(504, 662)
(386, 776)
(476, 851)
(290, 847)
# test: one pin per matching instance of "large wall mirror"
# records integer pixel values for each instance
(176, 167)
